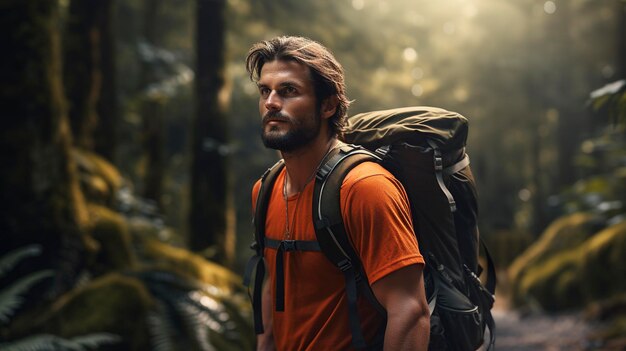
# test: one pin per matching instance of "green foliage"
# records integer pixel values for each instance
(11, 297)
(11, 259)
(610, 102)
(196, 316)
(47, 342)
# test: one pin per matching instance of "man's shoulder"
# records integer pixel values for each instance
(367, 172)
(370, 180)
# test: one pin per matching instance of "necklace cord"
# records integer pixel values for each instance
(290, 227)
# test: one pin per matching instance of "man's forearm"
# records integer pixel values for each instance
(265, 341)
(407, 329)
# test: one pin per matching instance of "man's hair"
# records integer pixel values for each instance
(327, 72)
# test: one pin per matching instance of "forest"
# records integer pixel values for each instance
(130, 143)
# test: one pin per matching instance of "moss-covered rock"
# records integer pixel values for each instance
(562, 235)
(555, 284)
(603, 262)
(99, 179)
(114, 304)
(110, 230)
(572, 278)
(188, 264)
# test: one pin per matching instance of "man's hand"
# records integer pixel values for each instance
(402, 295)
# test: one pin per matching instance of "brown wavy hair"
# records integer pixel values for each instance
(327, 72)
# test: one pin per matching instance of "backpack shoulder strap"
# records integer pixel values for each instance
(255, 263)
(327, 218)
(331, 234)
(262, 202)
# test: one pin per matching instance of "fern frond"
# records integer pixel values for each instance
(8, 261)
(197, 321)
(48, 342)
(201, 316)
(161, 329)
(92, 341)
(10, 297)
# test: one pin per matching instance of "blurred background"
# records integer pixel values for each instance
(130, 143)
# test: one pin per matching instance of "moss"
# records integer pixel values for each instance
(578, 276)
(111, 231)
(188, 264)
(114, 303)
(603, 266)
(100, 180)
(562, 235)
(555, 284)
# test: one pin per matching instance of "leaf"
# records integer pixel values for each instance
(161, 328)
(48, 342)
(94, 340)
(8, 261)
(10, 298)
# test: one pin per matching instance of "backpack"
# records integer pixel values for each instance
(424, 148)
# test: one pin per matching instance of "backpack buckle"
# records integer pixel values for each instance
(438, 163)
(289, 245)
(345, 265)
(382, 151)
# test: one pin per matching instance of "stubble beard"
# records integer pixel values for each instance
(298, 136)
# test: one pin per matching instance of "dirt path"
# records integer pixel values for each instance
(540, 332)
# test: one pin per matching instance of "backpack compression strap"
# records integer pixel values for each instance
(440, 171)
(256, 261)
(331, 234)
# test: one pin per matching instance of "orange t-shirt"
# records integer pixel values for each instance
(377, 217)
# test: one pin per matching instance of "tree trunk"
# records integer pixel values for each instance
(152, 137)
(87, 48)
(105, 140)
(42, 202)
(570, 117)
(621, 40)
(211, 217)
(536, 110)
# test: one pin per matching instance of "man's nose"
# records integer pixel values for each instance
(273, 101)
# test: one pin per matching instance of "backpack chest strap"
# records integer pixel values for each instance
(292, 245)
(282, 246)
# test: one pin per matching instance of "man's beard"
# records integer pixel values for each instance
(300, 134)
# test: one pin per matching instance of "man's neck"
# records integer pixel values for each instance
(301, 164)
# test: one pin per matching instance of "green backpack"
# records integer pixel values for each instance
(424, 148)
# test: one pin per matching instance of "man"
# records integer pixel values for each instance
(303, 105)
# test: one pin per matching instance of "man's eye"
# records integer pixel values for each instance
(264, 91)
(289, 90)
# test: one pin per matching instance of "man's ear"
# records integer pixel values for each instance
(329, 106)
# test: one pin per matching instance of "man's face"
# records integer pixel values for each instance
(288, 105)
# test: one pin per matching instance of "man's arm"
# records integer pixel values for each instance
(265, 341)
(402, 295)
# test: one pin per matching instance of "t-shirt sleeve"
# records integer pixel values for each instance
(255, 194)
(377, 215)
